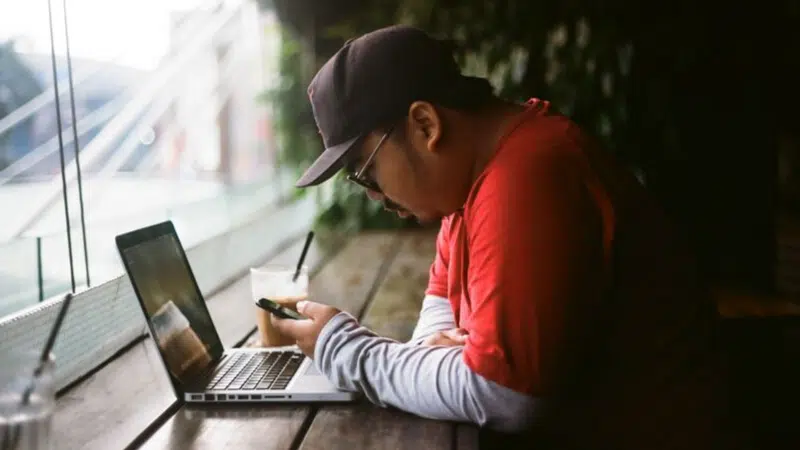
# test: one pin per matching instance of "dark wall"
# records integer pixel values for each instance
(713, 85)
(729, 76)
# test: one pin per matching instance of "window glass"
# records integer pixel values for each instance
(167, 125)
(29, 152)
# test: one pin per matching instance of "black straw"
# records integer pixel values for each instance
(12, 432)
(48, 347)
(309, 238)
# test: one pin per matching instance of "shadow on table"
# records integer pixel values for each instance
(220, 426)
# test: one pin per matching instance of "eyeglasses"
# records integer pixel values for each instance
(359, 177)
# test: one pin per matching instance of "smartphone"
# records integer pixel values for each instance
(280, 311)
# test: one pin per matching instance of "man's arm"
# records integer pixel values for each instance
(535, 277)
(436, 315)
(429, 381)
(536, 270)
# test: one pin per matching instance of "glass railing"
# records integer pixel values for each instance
(37, 267)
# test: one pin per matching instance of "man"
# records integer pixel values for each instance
(559, 296)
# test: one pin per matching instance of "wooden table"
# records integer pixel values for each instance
(378, 277)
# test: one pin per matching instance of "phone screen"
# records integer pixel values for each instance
(280, 311)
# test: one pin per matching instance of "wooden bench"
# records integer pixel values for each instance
(378, 277)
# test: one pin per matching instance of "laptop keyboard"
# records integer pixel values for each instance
(248, 371)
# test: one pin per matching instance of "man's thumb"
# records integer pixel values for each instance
(309, 309)
(459, 335)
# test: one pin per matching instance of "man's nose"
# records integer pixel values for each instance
(374, 195)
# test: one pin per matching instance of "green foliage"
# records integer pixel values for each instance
(578, 61)
(689, 94)
(576, 56)
(292, 117)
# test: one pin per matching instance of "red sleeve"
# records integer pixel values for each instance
(437, 280)
(535, 258)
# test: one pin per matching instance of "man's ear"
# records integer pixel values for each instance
(425, 124)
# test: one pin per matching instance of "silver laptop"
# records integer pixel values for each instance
(200, 369)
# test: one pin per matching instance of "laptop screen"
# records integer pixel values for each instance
(174, 308)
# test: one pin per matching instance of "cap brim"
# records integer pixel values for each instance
(326, 165)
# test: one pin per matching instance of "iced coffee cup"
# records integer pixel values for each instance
(275, 283)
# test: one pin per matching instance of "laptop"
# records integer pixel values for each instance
(200, 369)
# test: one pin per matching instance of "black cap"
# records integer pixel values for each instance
(372, 80)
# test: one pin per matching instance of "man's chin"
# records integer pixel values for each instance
(403, 214)
(421, 219)
(424, 220)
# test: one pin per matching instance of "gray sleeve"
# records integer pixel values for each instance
(429, 381)
(435, 315)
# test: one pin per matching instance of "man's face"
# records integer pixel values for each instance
(411, 169)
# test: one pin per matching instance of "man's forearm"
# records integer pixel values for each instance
(432, 382)
(435, 315)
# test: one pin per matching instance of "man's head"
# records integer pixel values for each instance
(394, 111)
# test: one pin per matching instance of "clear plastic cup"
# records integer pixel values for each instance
(274, 282)
(26, 425)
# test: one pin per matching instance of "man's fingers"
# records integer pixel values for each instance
(430, 340)
(278, 324)
(310, 309)
(289, 327)
(458, 338)
(457, 334)
(451, 337)
(446, 338)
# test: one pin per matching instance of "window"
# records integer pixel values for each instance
(159, 99)
(154, 115)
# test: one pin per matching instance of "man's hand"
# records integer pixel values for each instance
(448, 338)
(305, 332)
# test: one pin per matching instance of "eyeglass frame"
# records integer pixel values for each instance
(359, 178)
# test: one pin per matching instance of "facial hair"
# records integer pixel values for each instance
(394, 207)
